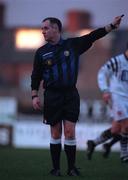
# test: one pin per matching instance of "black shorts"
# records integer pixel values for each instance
(61, 105)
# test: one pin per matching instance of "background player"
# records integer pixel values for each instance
(113, 82)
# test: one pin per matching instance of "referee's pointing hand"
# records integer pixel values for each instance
(117, 21)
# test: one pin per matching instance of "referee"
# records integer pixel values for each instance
(56, 64)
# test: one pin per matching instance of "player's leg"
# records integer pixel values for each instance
(91, 144)
(120, 113)
(115, 138)
(124, 140)
(90, 149)
(55, 148)
(107, 146)
(104, 136)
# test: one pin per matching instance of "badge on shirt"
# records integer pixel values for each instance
(66, 53)
(48, 62)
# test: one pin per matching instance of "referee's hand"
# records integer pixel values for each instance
(117, 20)
(36, 103)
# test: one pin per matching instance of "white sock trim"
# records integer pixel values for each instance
(70, 142)
(55, 141)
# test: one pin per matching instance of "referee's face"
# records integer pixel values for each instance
(49, 31)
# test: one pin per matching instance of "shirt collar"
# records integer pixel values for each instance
(60, 42)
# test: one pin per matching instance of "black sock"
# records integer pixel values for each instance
(105, 135)
(71, 155)
(114, 140)
(55, 150)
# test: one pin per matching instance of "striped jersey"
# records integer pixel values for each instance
(113, 75)
(57, 65)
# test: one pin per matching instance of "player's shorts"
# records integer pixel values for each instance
(119, 107)
(61, 105)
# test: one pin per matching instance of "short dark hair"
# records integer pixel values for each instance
(54, 20)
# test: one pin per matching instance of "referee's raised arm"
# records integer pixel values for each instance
(115, 24)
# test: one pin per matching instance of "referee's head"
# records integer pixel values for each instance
(51, 30)
(54, 20)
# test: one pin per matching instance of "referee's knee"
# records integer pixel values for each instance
(69, 134)
(56, 135)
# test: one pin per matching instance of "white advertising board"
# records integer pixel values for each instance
(37, 135)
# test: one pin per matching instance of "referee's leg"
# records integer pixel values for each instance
(55, 148)
(70, 147)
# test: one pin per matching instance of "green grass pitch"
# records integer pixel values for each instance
(34, 164)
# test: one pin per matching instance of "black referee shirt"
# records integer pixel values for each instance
(57, 65)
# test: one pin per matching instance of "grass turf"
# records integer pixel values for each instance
(34, 164)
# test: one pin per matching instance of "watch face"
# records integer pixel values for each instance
(66, 53)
